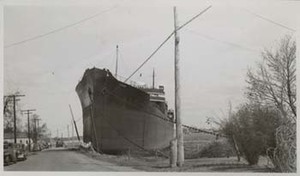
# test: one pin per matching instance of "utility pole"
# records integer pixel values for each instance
(34, 132)
(72, 129)
(28, 112)
(57, 133)
(74, 123)
(35, 120)
(153, 78)
(15, 114)
(68, 132)
(179, 135)
(15, 120)
(117, 60)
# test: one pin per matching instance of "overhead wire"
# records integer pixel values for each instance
(156, 50)
(269, 20)
(58, 29)
(221, 41)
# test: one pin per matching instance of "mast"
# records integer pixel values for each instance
(180, 149)
(117, 58)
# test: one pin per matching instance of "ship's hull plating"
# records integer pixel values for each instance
(118, 117)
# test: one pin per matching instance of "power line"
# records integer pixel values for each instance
(271, 21)
(155, 51)
(58, 29)
(180, 27)
(221, 41)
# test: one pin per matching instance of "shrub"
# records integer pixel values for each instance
(253, 127)
(217, 149)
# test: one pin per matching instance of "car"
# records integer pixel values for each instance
(9, 153)
(59, 143)
(21, 153)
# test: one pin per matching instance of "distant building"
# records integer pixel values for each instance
(21, 138)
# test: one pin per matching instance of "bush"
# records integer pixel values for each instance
(253, 127)
(217, 149)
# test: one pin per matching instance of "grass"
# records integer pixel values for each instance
(194, 144)
(204, 145)
(160, 164)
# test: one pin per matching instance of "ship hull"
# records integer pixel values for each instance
(118, 117)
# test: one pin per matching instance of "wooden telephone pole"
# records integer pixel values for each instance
(68, 132)
(153, 79)
(28, 112)
(179, 135)
(15, 114)
(36, 130)
(117, 60)
(74, 123)
(72, 127)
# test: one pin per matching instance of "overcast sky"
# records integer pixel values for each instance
(216, 50)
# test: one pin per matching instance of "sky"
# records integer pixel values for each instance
(48, 46)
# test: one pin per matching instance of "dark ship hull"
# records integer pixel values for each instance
(118, 116)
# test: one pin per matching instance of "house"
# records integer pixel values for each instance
(21, 138)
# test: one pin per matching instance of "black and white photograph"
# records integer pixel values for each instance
(156, 86)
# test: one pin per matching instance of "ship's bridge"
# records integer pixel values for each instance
(156, 94)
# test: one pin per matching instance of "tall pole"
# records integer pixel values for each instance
(15, 120)
(28, 129)
(28, 112)
(68, 132)
(153, 78)
(117, 60)
(15, 114)
(34, 132)
(74, 123)
(72, 130)
(36, 120)
(180, 149)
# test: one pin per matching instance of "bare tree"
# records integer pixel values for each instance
(274, 84)
(275, 80)
(5, 105)
(7, 115)
(225, 126)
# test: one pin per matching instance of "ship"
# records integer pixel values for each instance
(118, 116)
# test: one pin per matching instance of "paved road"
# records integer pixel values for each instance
(61, 159)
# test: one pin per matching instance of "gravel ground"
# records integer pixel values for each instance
(159, 164)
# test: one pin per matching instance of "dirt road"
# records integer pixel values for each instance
(60, 159)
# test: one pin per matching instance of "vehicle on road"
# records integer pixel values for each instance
(44, 145)
(59, 143)
(21, 153)
(9, 153)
